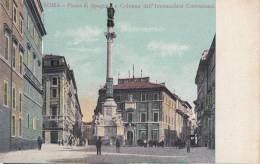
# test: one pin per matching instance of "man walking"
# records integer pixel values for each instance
(98, 145)
(39, 141)
(117, 145)
(188, 145)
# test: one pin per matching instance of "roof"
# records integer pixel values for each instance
(142, 85)
(137, 85)
(51, 56)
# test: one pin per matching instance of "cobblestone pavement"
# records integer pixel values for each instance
(57, 154)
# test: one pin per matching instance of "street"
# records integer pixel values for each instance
(55, 153)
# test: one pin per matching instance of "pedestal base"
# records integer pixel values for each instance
(109, 124)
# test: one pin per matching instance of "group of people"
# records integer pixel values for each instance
(99, 143)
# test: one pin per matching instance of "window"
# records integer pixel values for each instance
(21, 63)
(5, 93)
(13, 126)
(13, 56)
(20, 102)
(142, 134)
(54, 111)
(14, 12)
(54, 81)
(155, 135)
(143, 117)
(6, 48)
(28, 121)
(155, 96)
(54, 93)
(156, 116)
(34, 123)
(14, 98)
(54, 63)
(143, 97)
(129, 117)
(20, 127)
(21, 24)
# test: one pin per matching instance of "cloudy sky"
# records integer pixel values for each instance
(165, 41)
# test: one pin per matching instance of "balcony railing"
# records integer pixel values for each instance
(53, 117)
(32, 78)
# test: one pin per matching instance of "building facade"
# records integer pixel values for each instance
(33, 31)
(205, 102)
(11, 52)
(150, 111)
(62, 117)
(87, 132)
(20, 77)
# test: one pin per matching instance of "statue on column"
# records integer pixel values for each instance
(110, 16)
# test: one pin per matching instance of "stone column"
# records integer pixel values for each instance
(109, 52)
(110, 35)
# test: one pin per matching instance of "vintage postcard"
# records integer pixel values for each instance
(96, 81)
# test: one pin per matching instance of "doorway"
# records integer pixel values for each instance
(130, 138)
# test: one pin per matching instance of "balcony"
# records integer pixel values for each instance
(53, 118)
(32, 79)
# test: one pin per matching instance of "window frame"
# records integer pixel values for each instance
(34, 124)
(157, 116)
(14, 55)
(52, 92)
(28, 120)
(20, 127)
(143, 131)
(14, 98)
(20, 101)
(6, 86)
(21, 63)
(141, 113)
(153, 134)
(53, 81)
(6, 54)
(15, 13)
(143, 98)
(21, 23)
(128, 113)
(13, 126)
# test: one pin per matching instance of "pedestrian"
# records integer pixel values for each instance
(117, 145)
(39, 141)
(145, 143)
(162, 143)
(188, 145)
(70, 141)
(98, 145)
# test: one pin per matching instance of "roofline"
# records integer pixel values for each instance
(37, 16)
(201, 63)
(161, 87)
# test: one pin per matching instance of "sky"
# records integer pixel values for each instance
(164, 39)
